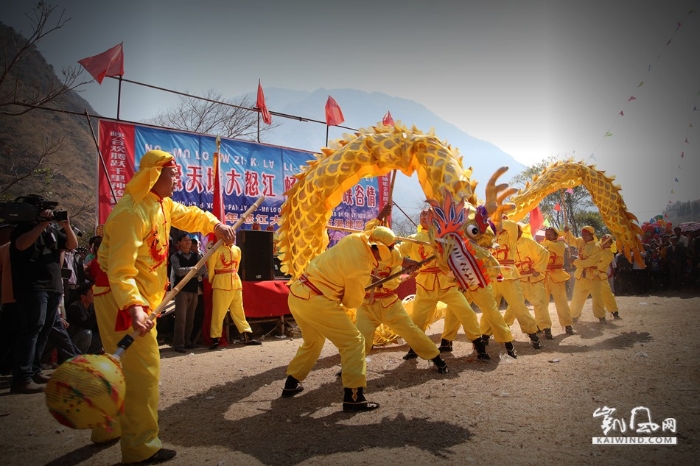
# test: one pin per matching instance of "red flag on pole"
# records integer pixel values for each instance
(536, 220)
(267, 118)
(218, 204)
(334, 116)
(109, 63)
(387, 120)
(557, 207)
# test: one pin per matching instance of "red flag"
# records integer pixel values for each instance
(109, 63)
(218, 203)
(631, 98)
(387, 120)
(267, 118)
(622, 113)
(536, 220)
(557, 207)
(334, 116)
(570, 190)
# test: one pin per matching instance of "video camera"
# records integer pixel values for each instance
(27, 209)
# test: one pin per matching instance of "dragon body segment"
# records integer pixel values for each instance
(605, 194)
(369, 153)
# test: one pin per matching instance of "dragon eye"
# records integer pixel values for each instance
(472, 230)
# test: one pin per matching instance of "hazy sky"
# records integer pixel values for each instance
(536, 78)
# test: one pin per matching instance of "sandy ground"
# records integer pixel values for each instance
(223, 407)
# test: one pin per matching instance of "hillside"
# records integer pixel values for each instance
(68, 172)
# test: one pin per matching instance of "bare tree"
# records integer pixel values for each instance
(213, 114)
(18, 93)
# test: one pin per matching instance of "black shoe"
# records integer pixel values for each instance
(480, 348)
(445, 346)
(354, 407)
(440, 364)
(510, 349)
(354, 401)
(548, 334)
(569, 330)
(190, 346)
(616, 316)
(534, 339)
(291, 387)
(485, 339)
(214, 344)
(161, 456)
(410, 355)
(249, 340)
(181, 349)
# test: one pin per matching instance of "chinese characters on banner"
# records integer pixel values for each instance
(248, 170)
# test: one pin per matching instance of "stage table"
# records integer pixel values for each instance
(264, 299)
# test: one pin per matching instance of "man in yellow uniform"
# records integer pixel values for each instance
(133, 259)
(335, 278)
(227, 294)
(484, 299)
(432, 286)
(509, 287)
(531, 262)
(607, 255)
(588, 280)
(383, 306)
(556, 277)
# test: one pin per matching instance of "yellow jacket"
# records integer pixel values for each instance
(531, 257)
(606, 257)
(222, 267)
(505, 253)
(588, 256)
(342, 272)
(555, 265)
(134, 250)
(430, 274)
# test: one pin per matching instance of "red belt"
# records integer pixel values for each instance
(381, 294)
(506, 262)
(304, 280)
(220, 271)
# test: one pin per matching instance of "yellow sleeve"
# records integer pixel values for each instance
(540, 256)
(191, 218)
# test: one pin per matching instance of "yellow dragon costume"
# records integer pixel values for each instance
(378, 150)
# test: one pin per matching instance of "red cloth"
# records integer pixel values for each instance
(108, 63)
(218, 204)
(536, 220)
(387, 120)
(334, 116)
(267, 118)
(265, 298)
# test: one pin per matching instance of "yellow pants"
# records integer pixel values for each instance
(608, 297)
(513, 294)
(138, 425)
(583, 288)
(558, 292)
(534, 293)
(426, 300)
(231, 301)
(370, 316)
(319, 318)
(482, 297)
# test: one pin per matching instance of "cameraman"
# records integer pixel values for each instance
(35, 258)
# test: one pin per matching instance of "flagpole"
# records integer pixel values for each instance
(563, 204)
(326, 134)
(119, 97)
(102, 160)
(258, 126)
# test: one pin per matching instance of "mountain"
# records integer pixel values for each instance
(363, 109)
(67, 172)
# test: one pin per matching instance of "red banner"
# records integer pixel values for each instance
(117, 151)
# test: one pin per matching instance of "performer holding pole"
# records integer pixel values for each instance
(133, 257)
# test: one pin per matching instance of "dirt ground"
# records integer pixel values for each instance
(223, 407)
